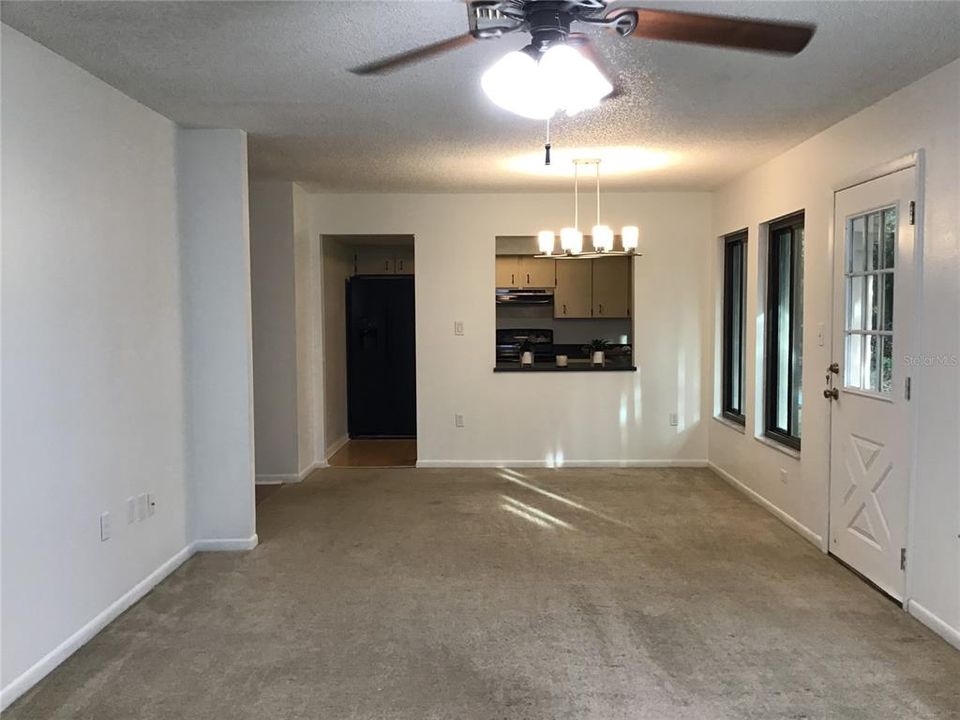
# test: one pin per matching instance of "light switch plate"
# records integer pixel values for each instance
(674, 420)
(458, 420)
(458, 327)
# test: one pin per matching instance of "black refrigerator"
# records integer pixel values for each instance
(381, 357)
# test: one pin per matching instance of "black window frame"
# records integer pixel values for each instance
(793, 226)
(732, 408)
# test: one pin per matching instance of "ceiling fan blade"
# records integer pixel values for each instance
(719, 31)
(395, 62)
(582, 43)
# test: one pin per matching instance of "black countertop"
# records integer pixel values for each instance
(574, 365)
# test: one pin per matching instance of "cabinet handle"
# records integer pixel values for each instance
(386, 266)
(512, 280)
(601, 308)
(564, 308)
(401, 265)
(528, 278)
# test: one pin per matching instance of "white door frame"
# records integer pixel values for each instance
(915, 160)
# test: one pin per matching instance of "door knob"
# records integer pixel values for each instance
(834, 368)
(831, 394)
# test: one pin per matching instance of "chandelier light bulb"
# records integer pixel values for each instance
(568, 237)
(630, 237)
(602, 238)
(545, 241)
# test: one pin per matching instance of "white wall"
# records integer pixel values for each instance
(275, 331)
(218, 355)
(93, 402)
(336, 267)
(924, 115)
(308, 330)
(545, 418)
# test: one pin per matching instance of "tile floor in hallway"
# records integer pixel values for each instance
(510, 595)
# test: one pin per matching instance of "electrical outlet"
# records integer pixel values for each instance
(151, 503)
(458, 327)
(142, 506)
(783, 476)
(104, 526)
(131, 510)
(458, 420)
(674, 420)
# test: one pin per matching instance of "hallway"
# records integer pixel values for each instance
(515, 595)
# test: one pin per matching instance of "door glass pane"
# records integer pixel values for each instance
(872, 302)
(872, 363)
(889, 237)
(855, 302)
(856, 248)
(886, 366)
(854, 361)
(887, 282)
(873, 241)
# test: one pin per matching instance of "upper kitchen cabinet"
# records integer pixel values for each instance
(384, 260)
(538, 272)
(611, 286)
(403, 261)
(524, 271)
(574, 294)
(508, 271)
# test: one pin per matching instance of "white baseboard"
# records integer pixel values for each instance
(51, 660)
(276, 479)
(566, 464)
(788, 520)
(336, 445)
(309, 469)
(940, 627)
(226, 544)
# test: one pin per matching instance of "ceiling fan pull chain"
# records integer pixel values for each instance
(546, 146)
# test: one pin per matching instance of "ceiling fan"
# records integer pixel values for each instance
(549, 23)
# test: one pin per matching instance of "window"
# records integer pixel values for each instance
(784, 327)
(734, 325)
(868, 279)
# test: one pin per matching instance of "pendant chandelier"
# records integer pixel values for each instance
(601, 236)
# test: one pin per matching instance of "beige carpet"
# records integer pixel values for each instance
(490, 595)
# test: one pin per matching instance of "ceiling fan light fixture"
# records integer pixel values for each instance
(574, 82)
(537, 87)
(513, 83)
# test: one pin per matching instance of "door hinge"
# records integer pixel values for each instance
(906, 388)
(903, 558)
(913, 212)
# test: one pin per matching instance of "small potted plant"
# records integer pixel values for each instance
(597, 350)
(526, 353)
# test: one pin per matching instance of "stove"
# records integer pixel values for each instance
(509, 342)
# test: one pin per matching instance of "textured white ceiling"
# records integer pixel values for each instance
(694, 116)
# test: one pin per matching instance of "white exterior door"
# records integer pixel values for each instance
(871, 434)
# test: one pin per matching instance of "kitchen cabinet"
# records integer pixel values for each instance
(573, 297)
(384, 261)
(538, 272)
(524, 271)
(403, 261)
(508, 271)
(611, 287)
